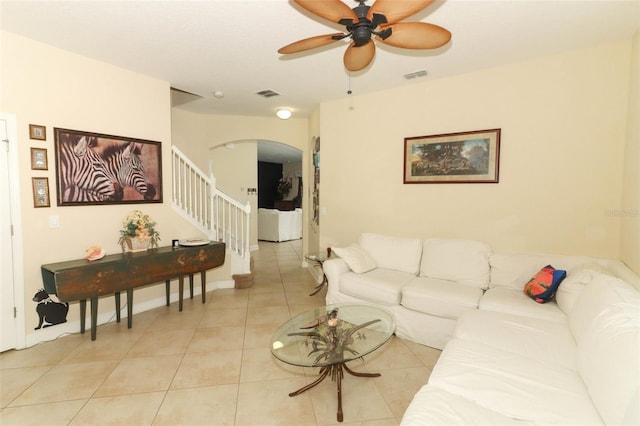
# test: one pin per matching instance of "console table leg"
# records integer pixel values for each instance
(203, 283)
(94, 317)
(83, 315)
(129, 307)
(117, 296)
(167, 288)
(180, 290)
(190, 286)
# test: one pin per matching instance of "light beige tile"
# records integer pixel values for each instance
(51, 414)
(429, 356)
(216, 339)
(138, 409)
(398, 386)
(138, 375)
(269, 403)
(228, 299)
(271, 298)
(259, 364)
(201, 406)
(66, 382)
(113, 345)
(393, 354)
(361, 400)
(46, 353)
(208, 369)
(224, 318)
(258, 336)
(161, 342)
(270, 315)
(16, 380)
(175, 320)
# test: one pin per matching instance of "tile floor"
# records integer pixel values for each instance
(207, 365)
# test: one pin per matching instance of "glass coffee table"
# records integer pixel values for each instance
(329, 337)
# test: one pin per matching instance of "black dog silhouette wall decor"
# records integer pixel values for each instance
(49, 312)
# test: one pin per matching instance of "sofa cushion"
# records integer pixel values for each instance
(573, 286)
(516, 386)
(357, 259)
(440, 297)
(609, 362)
(463, 261)
(542, 287)
(433, 406)
(380, 285)
(398, 254)
(603, 291)
(514, 301)
(545, 341)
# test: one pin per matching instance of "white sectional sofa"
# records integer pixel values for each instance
(506, 359)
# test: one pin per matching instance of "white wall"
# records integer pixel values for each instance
(563, 121)
(630, 205)
(202, 138)
(51, 87)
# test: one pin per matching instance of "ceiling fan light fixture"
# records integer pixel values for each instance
(283, 113)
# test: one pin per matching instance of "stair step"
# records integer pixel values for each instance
(244, 280)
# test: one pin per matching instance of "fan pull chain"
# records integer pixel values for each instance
(349, 84)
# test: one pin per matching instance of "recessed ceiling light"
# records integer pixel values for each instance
(283, 113)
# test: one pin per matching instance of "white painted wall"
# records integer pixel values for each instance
(54, 88)
(564, 128)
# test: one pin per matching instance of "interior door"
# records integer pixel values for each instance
(7, 303)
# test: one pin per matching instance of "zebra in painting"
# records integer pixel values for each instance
(84, 174)
(125, 164)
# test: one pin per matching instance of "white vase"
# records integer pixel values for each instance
(136, 244)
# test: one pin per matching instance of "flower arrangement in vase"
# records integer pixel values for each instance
(283, 188)
(138, 232)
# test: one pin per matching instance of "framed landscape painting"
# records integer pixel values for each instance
(93, 168)
(465, 157)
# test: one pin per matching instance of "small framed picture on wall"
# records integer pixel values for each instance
(39, 159)
(40, 192)
(37, 132)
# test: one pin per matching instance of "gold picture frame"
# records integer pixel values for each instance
(39, 159)
(464, 157)
(40, 192)
(37, 132)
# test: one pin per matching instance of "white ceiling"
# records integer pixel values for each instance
(231, 45)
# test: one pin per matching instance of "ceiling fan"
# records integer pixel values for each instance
(380, 20)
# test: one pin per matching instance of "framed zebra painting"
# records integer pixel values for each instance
(93, 168)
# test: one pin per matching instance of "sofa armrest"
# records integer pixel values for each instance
(333, 268)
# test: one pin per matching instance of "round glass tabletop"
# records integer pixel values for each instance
(332, 334)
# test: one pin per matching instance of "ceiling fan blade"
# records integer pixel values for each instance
(357, 58)
(332, 10)
(310, 43)
(397, 10)
(415, 35)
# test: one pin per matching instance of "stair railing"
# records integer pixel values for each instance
(197, 198)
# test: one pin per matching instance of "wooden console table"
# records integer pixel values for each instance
(81, 280)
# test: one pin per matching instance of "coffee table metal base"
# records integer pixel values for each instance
(337, 373)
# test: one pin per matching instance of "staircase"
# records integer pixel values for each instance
(197, 199)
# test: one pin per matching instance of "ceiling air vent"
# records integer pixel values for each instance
(413, 75)
(267, 93)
